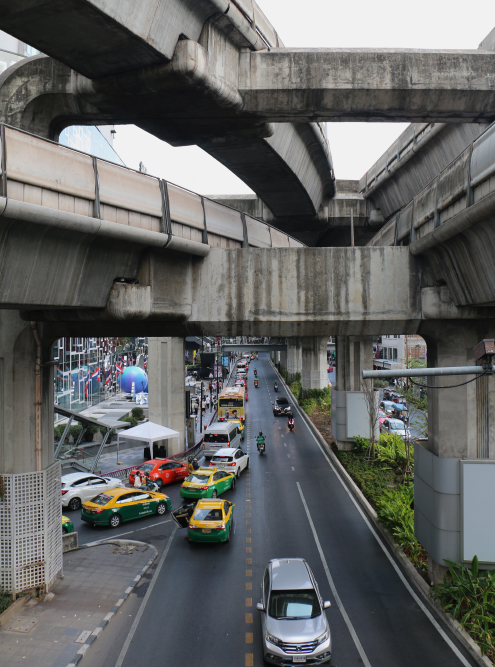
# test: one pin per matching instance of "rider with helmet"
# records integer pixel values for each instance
(260, 440)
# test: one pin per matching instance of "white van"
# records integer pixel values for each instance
(220, 435)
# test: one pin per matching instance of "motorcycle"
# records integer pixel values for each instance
(290, 423)
(256, 384)
(255, 373)
(261, 448)
(275, 387)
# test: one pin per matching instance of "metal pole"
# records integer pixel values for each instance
(352, 228)
(419, 372)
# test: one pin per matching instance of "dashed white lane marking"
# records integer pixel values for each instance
(293, 469)
(341, 607)
(288, 456)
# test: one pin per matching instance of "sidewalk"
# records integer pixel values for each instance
(50, 632)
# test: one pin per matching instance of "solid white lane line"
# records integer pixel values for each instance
(134, 626)
(409, 588)
(129, 532)
(341, 607)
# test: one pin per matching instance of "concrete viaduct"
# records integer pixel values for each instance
(91, 248)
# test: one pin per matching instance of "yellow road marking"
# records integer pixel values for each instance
(249, 618)
(249, 660)
(249, 561)
(249, 573)
(249, 637)
(248, 530)
(249, 586)
(248, 540)
(248, 522)
(248, 550)
(248, 514)
(249, 602)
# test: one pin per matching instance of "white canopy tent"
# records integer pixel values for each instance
(148, 432)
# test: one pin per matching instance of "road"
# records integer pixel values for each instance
(198, 604)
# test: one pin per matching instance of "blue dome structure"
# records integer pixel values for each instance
(134, 374)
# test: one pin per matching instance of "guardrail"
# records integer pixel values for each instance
(465, 181)
(49, 176)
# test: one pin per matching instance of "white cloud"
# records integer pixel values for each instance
(426, 24)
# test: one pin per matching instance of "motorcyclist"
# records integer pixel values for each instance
(195, 464)
(255, 373)
(275, 386)
(260, 440)
(290, 422)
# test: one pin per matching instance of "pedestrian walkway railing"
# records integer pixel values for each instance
(119, 474)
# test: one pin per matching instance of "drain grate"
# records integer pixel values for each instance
(23, 625)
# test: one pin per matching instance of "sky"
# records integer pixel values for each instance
(426, 24)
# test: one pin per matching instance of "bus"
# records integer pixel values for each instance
(231, 404)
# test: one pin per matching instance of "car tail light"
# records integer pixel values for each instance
(204, 488)
(193, 527)
(222, 527)
(231, 464)
(64, 491)
(211, 463)
(98, 511)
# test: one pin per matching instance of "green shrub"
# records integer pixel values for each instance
(391, 450)
(89, 432)
(58, 432)
(469, 595)
(132, 420)
(74, 431)
(371, 479)
(5, 600)
(103, 431)
(137, 413)
(395, 511)
(361, 445)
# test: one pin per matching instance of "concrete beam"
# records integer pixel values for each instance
(276, 292)
(284, 85)
(330, 228)
(183, 102)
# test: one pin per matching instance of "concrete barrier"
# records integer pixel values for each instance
(70, 541)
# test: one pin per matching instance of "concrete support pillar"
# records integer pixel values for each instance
(461, 425)
(314, 362)
(167, 404)
(30, 512)
(283, 361)
(354, 354)
(294, 356)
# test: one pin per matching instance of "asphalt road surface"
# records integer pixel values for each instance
(197, 606)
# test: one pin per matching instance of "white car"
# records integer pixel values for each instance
(395, 426)
(77, 487)
(233, 460)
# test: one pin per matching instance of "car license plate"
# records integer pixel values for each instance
(206, 530)
(299, 658)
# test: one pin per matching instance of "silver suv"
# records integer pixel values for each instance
(293, 622)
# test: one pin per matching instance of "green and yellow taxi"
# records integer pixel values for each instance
(240, 426)
(211, 520)
(207, 483)
(67, 525)
(114, 506)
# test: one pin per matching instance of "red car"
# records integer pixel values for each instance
(164, 470)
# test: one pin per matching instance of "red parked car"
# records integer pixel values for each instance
(161, 470)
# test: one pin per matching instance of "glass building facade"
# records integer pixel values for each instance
(90, 140)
